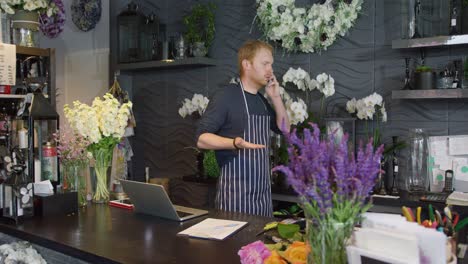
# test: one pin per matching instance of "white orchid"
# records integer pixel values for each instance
(365, 108)
(324, 82)
(297, 111)
(198, 104)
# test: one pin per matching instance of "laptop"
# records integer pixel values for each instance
(152, 199)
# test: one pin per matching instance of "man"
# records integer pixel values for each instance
(237, 124)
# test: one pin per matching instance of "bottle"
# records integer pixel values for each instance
(454, 19)
(395, 168)
(456, 81)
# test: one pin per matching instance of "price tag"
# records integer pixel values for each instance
(7, 64)
(454, 22)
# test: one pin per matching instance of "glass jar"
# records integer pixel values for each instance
(417, 180)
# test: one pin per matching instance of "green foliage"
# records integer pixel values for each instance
(210, 164)
(200, 24)
(423, 68)
(102, 151)
(288, 230)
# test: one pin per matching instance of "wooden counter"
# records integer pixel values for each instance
(103, 234)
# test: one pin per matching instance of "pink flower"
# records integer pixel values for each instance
(254, 253)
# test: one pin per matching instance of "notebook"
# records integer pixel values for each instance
(211, 228)
(152, 199)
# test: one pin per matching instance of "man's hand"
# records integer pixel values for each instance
(272, 88)
(242, 144)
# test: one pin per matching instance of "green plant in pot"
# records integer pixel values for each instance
(200, 28)
(210, 165)
(424, 78)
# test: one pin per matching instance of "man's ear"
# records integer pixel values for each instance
(246, 64)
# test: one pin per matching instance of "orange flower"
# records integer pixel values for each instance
(274, 258)
(297, 253)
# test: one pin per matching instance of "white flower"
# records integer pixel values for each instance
(321, 78)
(366, 107)
(198, 103)
(384, 113)
(351, 106)
(43, 6)
(103, 118)
(297, 111)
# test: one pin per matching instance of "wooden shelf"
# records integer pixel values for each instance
(188, 62)
(430, 42)
(430, 94)
(12, 96)
(32, 51)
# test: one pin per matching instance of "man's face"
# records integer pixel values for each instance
(260, 68)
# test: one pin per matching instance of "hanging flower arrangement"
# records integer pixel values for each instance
(53, 22)
(306, 30)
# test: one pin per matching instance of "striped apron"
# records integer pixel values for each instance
(244, 185)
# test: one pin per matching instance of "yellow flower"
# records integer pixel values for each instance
(297, 253)
(274, 258)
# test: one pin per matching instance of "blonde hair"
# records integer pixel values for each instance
(248, 51)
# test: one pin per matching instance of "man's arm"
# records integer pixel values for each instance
(215, 142)
(273, 91)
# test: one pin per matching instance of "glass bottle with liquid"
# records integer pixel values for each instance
(454, 18)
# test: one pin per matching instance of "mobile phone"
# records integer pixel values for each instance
(123, 203)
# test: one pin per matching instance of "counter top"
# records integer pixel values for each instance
(104, 234)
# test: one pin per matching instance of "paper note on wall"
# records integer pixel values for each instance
(460, 168)
(7, 64)
(458, 145)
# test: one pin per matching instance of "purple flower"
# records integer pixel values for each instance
(52, 26)
(254, 253)
(319, 170)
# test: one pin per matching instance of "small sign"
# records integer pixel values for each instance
(7, 64)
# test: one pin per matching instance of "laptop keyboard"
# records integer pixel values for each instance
(182, 214)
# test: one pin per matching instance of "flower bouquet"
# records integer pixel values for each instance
(103, 125)
(71, 149)
(333, 187)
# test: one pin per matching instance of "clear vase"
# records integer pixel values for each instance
(25, 28)
(417, 177)
(100, 188)
(74, 180)
(102, 158)
(328, 240)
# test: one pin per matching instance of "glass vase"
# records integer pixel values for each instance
(100, 188)
(74, 180)
(102, 158)
(417, 177)
(328, 239)
(25, 28)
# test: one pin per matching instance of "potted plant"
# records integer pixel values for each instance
(200, 28)
(424, 78)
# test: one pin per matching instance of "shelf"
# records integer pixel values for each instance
(430, 42)
(430, 94)
(188, 62)
(12, 96)
(32, 51)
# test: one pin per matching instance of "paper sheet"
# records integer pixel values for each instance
(7, 64)
(458, 145)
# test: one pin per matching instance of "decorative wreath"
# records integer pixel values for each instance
(299, 29)
(52, 24)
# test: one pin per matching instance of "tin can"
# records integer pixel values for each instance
(49, 162)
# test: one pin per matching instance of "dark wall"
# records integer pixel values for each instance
(361, 63)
